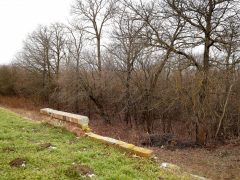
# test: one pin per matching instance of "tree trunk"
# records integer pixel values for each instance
(201, 134)
(100, 109)
(127, 115)
(99, 61)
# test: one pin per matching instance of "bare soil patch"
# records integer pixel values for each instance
(45, 146)
(18, 162)
(8, 149)
(79, 170)
(221, 162)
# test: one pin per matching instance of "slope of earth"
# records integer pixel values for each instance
(32, 150)
(220, 162)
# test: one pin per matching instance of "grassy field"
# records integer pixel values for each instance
(31, 150)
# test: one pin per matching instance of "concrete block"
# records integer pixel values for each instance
(143, 152)
(69, 117)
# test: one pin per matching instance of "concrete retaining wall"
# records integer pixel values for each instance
(143, 152)
(80, 120)
(83, 122)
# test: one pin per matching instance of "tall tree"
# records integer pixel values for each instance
(204, 22)
(36, 57)
(160, 34)
(197, 23)
(75, 48)
(95, 13)
(126, 48)
(58, 45)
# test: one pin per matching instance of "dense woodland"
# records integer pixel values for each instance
(156, 65)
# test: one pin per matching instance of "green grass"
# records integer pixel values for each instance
(25, 136)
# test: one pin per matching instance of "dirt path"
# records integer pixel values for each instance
(219, 163)
(214, 163)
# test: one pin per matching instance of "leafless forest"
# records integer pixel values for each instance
(154, 65)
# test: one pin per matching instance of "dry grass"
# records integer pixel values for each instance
(19, 102)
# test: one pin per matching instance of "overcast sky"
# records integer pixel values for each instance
(18, 18)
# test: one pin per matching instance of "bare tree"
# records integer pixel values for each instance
(229, 58)
(161, 34)
(58, 54)
(204, 20)
(96, 13)
(127, 46)
(75, 48)
(85, 74)
(196, 23)
(36, 57)
(58, 44)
